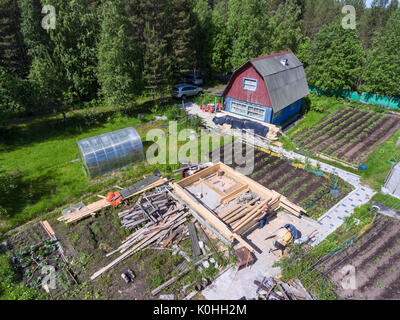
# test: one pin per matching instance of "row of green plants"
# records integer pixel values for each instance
(299, 263)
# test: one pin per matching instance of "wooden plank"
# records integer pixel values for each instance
(227, 212)
(253, 185)
(204, 212)
(253, 213)
(234, 194)
(201, 174)
(247, 205)
(48, 228)
(149, 187)
(251, 223)
(240, 214)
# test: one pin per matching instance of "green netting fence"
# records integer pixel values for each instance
(370, 98)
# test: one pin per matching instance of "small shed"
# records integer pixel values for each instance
(110, 151)
(268, 88)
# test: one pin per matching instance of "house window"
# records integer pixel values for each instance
(254, 112)
(248, 110)
(249, 84)
(238, 108)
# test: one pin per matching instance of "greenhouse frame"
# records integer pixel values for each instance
(110, 151)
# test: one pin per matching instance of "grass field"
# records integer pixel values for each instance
(39, 154)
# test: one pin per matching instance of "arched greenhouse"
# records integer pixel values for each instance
(110, 151)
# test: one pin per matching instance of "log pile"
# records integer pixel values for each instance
(149, 207)
(91, 209)
(274, 289)
(161, 232)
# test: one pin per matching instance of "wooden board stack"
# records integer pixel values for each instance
(161, 232)
(95, 207)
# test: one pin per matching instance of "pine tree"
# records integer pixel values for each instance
(221, 47)
(382, 74)
(337, 59)
(180, 37)
(74, 41)
(35, 37)
(203, 34)
(318, 13)
(247, 26)
(284, 28)
(119, 60)
(13, 56)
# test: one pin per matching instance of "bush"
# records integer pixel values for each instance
(10, 286)
(15, 95)
(9, 183)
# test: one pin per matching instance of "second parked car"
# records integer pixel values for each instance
(195, 79)
(185, 90)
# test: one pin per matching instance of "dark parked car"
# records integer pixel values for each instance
(195, 79)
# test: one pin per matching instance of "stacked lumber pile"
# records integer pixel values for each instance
(160, 232)
(242, 216)
(91, 209)
(149, 207)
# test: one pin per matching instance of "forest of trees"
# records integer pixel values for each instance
(115, 51)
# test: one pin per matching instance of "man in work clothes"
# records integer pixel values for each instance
(263, 217)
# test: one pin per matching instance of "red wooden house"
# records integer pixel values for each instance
(268, 88)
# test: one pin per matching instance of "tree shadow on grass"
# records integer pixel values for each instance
(50, 128)
(17, 193)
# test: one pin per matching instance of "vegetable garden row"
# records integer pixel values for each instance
(348, 134)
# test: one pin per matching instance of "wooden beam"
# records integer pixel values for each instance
(204, 212)
(227, 212)
(234, 194)
(196, 177)
(241, 214)
(209, 216)
(251, 215)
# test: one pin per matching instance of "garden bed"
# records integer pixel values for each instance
(348, 134)
(34, 250)
(375, 256)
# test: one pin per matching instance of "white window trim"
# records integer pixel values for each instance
(250, 79)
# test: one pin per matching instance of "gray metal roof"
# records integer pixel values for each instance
(284, 77)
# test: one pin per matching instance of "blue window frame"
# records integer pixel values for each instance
(250, 84)
(250, 111)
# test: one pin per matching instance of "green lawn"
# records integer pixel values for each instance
(378, 163)
(42, 151)
(48, 177)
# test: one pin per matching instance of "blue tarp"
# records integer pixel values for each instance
(295, 233)
(241, 124)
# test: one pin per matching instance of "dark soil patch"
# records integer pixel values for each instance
(376, 257)
(350, 136)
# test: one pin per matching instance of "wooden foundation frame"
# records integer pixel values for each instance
(272, 197)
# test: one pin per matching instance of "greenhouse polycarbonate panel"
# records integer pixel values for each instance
(110, 151)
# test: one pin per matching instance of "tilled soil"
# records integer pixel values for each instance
(350, 135)
(376, 259)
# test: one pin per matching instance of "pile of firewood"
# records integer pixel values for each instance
(148, 208)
